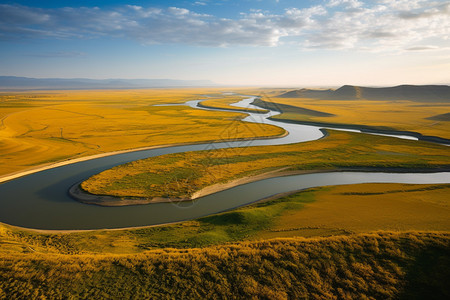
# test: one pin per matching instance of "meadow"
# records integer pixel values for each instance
(39, 128)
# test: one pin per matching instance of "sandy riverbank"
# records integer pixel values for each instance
(105, 200)
(11, 176)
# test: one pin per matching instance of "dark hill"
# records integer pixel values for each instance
(307, 93)
(420, 93)
(284, 108)
(442, 117)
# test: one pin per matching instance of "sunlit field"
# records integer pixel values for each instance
(397, 115)
(129, 171)
(380, 265)
(43, 127)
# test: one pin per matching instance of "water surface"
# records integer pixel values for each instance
(41, 200)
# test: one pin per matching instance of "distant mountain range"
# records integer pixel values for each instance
(13, 82)
(421, 93)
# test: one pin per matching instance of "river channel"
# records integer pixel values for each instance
(41, 200)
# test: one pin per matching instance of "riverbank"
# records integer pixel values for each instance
(111, 201)
(105, 200)
(237, 109)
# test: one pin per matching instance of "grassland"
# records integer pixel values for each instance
(38, 128)
(367, 241)
(392, 115)
(183, 175)
(370, 266)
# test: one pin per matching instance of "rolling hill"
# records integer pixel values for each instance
(419, 93)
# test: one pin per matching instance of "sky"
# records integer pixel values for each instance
(287, 43)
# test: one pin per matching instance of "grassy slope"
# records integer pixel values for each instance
(396, 115)
(369, 266)
(180, 175)
(42, 127)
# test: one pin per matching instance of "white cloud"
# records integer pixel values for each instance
(421, 48)
(347, 3)
(178, 11)
(377, 25)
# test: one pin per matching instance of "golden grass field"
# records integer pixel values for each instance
(382, 265)
(41, 127)
(397, 115)
(366, 207)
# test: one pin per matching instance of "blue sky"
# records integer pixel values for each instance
(250, 42)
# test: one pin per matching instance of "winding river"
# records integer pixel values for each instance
(41, 200)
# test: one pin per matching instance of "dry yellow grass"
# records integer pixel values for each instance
(38, 128)
(364, 208)
(398, 115)
(383, 265)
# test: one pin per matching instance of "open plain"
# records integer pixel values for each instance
(385, 238)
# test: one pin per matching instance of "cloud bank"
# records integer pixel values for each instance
(335, 24)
